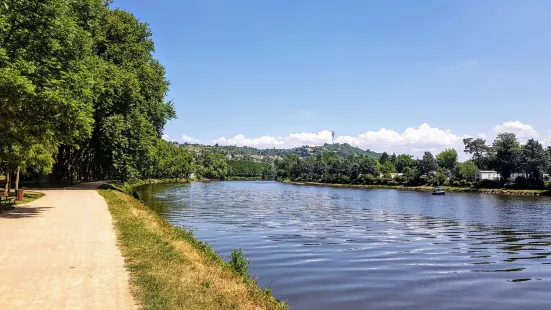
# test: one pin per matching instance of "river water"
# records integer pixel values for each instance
(323, 248)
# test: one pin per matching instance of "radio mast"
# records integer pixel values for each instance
(333, 136)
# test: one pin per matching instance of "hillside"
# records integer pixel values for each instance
(303, 151)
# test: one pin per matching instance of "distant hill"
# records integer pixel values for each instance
(303, 151)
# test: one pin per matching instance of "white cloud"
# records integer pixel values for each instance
(300, 139)
(165, 137)
(412, 140)
(189, 139)
(523, 131)
(240, 140)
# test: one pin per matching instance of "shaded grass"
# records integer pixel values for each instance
(28, 197)
(171, 269)
(504, 191)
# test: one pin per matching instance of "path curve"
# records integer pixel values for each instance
(60, 252)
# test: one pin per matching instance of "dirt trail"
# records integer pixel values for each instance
(59, 252)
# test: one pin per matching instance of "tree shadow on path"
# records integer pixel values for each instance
(23, 212)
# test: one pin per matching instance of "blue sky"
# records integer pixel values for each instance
(283, 73)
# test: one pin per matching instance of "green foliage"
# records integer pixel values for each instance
(534, 158)
(404, 160)
(384, 158)
(411, 175)
(478, 149)
(211, 166)
(341, 150)
(508, 154)
(238, 263)
(385, 168)
(78, 78)
(250, 168)
(427, 164)
(466, 171)
(447, 159)
(47, 74)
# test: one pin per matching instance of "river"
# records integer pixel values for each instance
(323, 248)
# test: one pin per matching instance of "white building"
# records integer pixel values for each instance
(488, 175)
(494, 175)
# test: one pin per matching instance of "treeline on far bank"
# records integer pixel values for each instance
(529, 163)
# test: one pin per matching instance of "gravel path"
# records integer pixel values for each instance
(59, 252)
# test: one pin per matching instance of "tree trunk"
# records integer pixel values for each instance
(7, 187)
(8, 181)
(17, 178)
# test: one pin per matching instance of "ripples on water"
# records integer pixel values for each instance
(333, 248)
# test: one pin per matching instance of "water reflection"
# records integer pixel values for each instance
(327, 248)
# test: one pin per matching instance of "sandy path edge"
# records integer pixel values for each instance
(60, 252)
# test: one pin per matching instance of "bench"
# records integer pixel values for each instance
(6, 199)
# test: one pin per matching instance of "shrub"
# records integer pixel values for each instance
(239, 263)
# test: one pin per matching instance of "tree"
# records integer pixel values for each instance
(427, 164)
(403, 160)
(47, 78)
(508, 154)
(466, 171)
(447, 159)
(386, 168)
(393, 158)
(212, 166)
(535, 158)
(384, 158)
(411, 174)
(478, 149)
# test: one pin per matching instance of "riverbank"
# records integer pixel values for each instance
(170, 269)
(511, 192)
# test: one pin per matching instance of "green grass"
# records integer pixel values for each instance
(28, 197)
(171, 269)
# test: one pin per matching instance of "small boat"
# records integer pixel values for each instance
(437, 190)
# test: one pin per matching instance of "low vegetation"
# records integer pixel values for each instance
(171, 269)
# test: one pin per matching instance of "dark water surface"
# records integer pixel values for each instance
(333, 248)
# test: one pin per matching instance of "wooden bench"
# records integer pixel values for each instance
(6, 199)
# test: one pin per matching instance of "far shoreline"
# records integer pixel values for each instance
(491, 191)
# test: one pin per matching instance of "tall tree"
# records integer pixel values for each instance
(427, 164)
(404, 160)
(447, 159)
(466, 170)
(535, 159)
(478, 149)
(384, 158)
(507, 154)
(47, 72)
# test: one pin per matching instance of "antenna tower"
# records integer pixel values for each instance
(333, 136)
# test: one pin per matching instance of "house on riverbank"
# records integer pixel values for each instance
(488, 175)
(494, 175)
